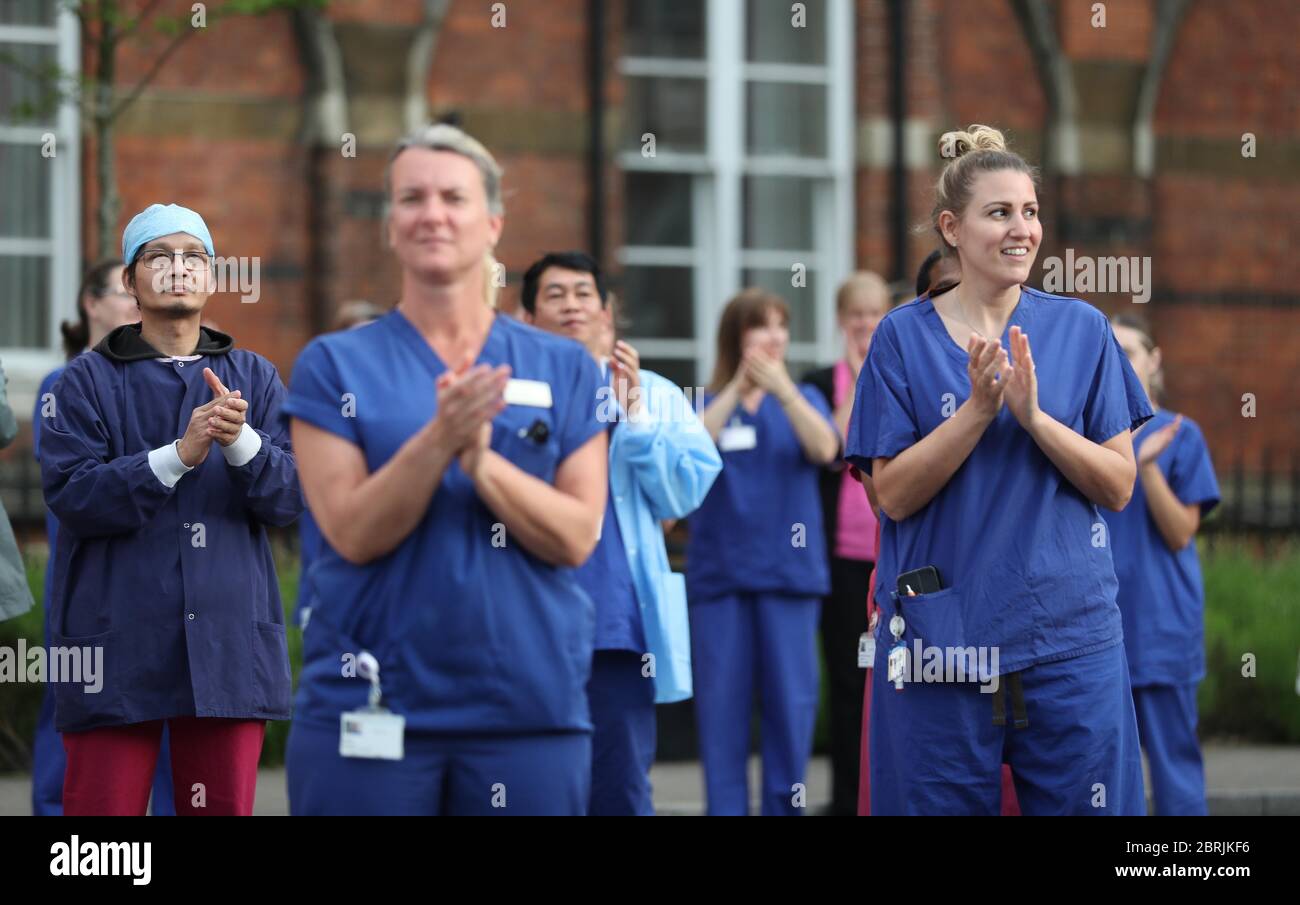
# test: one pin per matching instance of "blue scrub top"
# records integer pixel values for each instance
(51, 523)
(760, 528)
(1020, 551)
(1161, 597)
(310, 542)
(471, 636)
(607, 579)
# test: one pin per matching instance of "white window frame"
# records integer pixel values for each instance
(27, 366)
(717, 181)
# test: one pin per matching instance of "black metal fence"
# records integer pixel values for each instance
(1261, 498)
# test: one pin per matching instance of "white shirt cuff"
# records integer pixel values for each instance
(165, 461)
(246, 445)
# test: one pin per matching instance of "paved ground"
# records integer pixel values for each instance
(1247, 780)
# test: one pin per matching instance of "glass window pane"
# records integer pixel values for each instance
(24, 291)
(786, 118)
(25, 187)
(672, 110)
(665, 28)
(801, 299)
(774, 33)
(27, 12)
(680, 371)
(658, 302)
(778, 212)
(657, 209)
(29, 83)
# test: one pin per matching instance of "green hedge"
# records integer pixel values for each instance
(1252, 607)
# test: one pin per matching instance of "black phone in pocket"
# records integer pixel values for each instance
(924, 580)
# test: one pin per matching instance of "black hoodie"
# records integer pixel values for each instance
(126, 344)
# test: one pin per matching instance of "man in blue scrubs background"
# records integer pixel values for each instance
(661, 465)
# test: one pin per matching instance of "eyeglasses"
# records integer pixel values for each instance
(161, 259)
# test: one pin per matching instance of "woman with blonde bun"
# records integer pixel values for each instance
(999, 637)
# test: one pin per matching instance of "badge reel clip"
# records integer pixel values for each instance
(374, 732)
(898, 651)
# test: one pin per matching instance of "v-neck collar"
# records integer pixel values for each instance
(740, 406)
(945, 338)
(430, 355)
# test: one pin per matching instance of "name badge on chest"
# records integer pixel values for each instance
(375, 732)
(736, 437)
(534, 393)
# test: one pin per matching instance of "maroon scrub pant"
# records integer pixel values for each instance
(214, 767)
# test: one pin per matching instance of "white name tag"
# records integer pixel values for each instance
(536, 393)
(866, 651)
(736, 437)
(372, 734)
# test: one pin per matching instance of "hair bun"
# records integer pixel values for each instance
(974, 138)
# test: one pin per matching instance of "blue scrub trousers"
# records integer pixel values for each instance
(513, 775)
(936, 751)
(50, 762)
(742, 644)
(1166, 718)
(622, 702)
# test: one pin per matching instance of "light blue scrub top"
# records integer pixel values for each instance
(471, 636)
(1161, 597)
(1016, 544)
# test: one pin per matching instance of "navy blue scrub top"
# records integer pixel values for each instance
(51, 523)
(177, 585)
(1161, 596)
(471, 635)
(1021, 553)
(760, 527)
(607, 579)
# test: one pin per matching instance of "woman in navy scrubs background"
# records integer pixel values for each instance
(453, 460)
(1161, 596)
(756, 561)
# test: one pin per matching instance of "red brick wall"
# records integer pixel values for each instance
(1213, 231)
(1125, 36)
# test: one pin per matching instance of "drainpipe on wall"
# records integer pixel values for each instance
(898, 113)
(596, 128)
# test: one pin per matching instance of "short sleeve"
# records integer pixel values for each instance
(882, 423)
(578, 422)
(1191, 476)
(1116, 401)
(317, 395)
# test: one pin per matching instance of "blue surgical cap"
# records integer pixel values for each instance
(162, 220)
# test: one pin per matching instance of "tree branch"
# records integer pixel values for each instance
(153, 71)
(139, 19)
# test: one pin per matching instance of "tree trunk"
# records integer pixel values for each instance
(109, 201)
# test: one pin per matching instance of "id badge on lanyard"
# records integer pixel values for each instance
(898, 650)
(867, 641)
(374, 732)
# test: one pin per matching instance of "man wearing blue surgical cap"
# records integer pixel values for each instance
(164, 462)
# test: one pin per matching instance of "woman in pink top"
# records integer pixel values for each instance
(861, 302)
